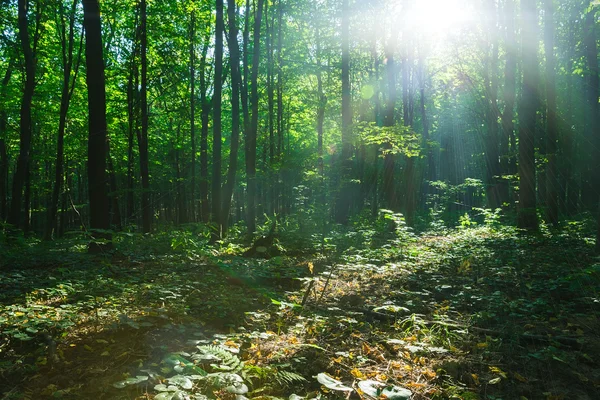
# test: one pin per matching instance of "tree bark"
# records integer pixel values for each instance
(16, 216)
(250, 144)
(143, 138)
(388, 187)
(193, 110)
(3, 151)
(590, 176)
(527, 216)
(344, 200)
(97, 139)
(552, 182)
(217, 111)
(234, 62)
(510, 72)
(68, 43)
(206, 105)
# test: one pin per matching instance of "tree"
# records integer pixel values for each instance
(217, 114)
(143, 135)
(527, 213)
(70, 66)
(236, 81)
(343, 202)
(552, 122)
(97, 137)
(250, 143)
(21, 174)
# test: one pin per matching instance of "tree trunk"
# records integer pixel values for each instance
(234, 62)
(510, 72)
(97, 139)
(590, 176)
(143, 138)
(16, 217)
(527, 216)
(206, 105)
(193, 111)
(344, 201)
(388, 188)
(217, 111)
(552, 182)
(250, 144)
(3, 150)
(67, 91)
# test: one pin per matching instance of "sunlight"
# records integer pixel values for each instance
(437, 18)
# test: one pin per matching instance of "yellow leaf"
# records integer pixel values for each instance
(498, 371)
(482, 345)
(357, 374)
(475, 378)
(494, 381)
(311, 267)
(19, 314)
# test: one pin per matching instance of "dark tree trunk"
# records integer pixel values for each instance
(234, 62)
(527, 216)
(3, 150)
(16, 216)
(143, 138)
(193, 111)
(344, 200)
(506, 150)
(218, 89)
(590, 175)
(493, 170)
(97, 139)
(250, 144)
(552, 182)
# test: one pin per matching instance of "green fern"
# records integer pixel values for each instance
(228, 362)
(286, 378)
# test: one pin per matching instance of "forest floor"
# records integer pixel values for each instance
(476, 313)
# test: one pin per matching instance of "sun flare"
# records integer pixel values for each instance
(436, 18)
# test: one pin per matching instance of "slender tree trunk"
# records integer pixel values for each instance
(97, 139)
(280, 184)
(527, 216)
(206, 105)
(430, 173)
(510, 72)
(16, 217)
(270, 105)
(250, 144)
(143, 138)
(218, 89)
(3, 150)
(193, 110)
(234, 62)
(389, 187)
(552, 182)
(322, 103)
(115, 211)
(344, 201)
(68, 44)
(590, 175)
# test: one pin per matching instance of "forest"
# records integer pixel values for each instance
(309, 199)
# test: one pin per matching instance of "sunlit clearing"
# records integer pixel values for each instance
(436, 19)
